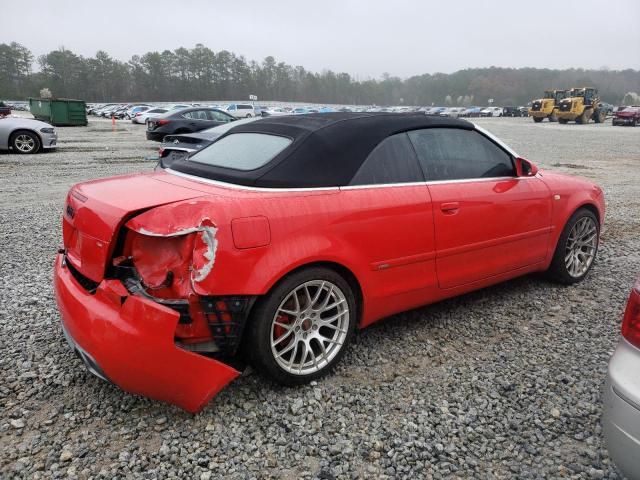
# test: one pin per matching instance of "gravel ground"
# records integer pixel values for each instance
(501, 383)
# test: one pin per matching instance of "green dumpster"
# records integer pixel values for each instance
(59, 111)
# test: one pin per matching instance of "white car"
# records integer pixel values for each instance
(25, 135)
(141, 117)
(276, 112)
(491, 112)
(240, 110)
(453, 112)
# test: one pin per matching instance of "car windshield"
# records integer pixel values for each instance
(242, 151)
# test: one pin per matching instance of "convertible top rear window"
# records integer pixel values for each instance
(242, 151)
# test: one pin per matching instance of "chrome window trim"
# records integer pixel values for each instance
(346, 187)
(496, 140)
(246, 187)
(434, 182)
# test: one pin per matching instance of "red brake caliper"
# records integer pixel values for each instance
(280, 330)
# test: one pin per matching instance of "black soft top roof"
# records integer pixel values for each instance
(327, 149)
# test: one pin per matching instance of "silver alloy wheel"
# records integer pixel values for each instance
(581, 246)
(310, 327)
(25, 143)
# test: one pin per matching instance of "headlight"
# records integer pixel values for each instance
(48, 130)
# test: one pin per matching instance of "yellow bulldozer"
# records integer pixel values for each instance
(581, 105)
(547, 106)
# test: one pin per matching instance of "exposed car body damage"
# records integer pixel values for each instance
(110, 325)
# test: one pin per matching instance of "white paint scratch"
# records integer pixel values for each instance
(209, 238)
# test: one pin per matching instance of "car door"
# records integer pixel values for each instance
(388, 214)
(198, 120)
(488, 221)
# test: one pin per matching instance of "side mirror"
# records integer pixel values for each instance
(525, 168)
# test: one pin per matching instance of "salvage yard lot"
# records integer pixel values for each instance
(501, 383)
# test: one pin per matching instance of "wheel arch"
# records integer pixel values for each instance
(591, 207)
(337, 267)
(30, 130)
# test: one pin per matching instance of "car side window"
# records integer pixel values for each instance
(218, 116)
(455, 154)
(391, 161)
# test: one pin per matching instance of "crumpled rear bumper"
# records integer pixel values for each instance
(129, 340)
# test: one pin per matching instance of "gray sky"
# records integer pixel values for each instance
(363, 38)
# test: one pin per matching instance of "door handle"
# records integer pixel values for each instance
(450, 208)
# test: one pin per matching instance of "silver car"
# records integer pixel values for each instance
(25, 135)
(621, 422)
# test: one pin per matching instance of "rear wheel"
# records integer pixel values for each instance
(301, 329)
(576, 249)
(24, 141)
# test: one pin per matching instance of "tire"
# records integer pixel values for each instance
(566, 269)
(248, 115)
(288, 331)
(24, 141)
(537, 119)
(599, 116)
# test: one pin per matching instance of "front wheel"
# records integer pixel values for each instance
(537, 119)
(301, 329)
(576, 249)
(24, 141)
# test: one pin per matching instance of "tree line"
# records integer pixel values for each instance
(199, 73)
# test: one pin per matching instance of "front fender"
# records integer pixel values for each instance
(570, 194)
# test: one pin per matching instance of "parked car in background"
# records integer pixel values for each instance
(301, 110)
(4, 109)
(524, 111)
(142, 117)
(627, 116)
(511, 112)
(187, 120)
(607, 108)
(471, 112)
(120, 112)
(621, 418)
(176, 147)
(453, 112)
(278, 240)
(108, 111)
(26, 135)
(435, 110)
(179, 106)
(132, 110)
(275, 112)
(491, 112)
(241, 110)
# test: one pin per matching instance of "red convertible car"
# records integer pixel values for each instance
(274, 243)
